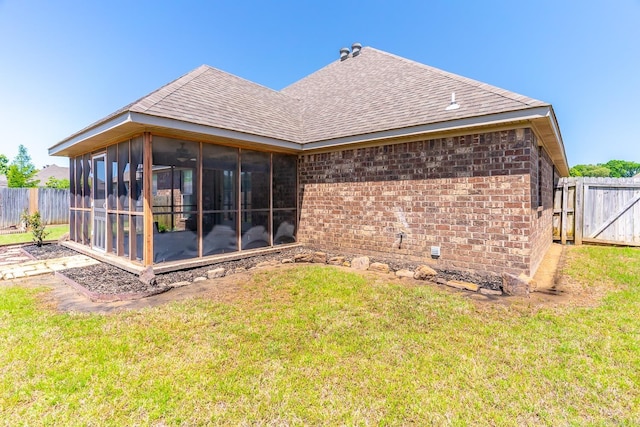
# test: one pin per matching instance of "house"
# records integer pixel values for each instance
(372, 154)
(51, 171)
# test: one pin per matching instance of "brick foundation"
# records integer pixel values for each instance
(475, 196)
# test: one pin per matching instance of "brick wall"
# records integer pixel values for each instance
(542, 214)
(471, 195)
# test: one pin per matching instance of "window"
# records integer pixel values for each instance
(175, 202)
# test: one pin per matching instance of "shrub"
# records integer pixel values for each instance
(34, 224)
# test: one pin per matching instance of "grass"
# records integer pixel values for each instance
(317, 345)
(55, 232)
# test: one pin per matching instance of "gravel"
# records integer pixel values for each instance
(106, 279)
(49, 251)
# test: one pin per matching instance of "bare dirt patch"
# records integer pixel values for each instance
(556, 289)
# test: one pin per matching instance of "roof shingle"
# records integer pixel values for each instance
(375, 91)
(378, 91)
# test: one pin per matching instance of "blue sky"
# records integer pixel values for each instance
(65, 64)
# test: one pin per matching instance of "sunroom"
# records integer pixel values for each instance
(201, 170)
(167, 202)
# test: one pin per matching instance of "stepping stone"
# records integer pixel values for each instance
(379, 267)
(424, 272)
(180, 284)
(486, 291)
(459, 284)
(405, 273)
(216, 273)
(37, 272)
(360, 263)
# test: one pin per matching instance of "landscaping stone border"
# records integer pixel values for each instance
(487, 284)
(511, 285)
(98, 297)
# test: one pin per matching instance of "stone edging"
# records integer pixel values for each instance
(27, 254)
(97, 297)
(511, 285)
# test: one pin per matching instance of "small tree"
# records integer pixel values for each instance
(57, 183)
(21, 171)
(34, 224)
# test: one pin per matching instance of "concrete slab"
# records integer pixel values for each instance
(546, 274)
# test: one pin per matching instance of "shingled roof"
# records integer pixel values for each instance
(372, 95)
(378, 91)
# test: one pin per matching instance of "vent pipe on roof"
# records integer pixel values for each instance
(454, 105)
(355, 49)
(344, 53)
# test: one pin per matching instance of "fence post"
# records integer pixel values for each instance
(33, 200)
(578, 211)
(565, 205)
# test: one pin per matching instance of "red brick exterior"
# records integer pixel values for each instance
(542, 217)
(475, 196)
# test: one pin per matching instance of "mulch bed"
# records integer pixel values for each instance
(109, 280)
(104, 278)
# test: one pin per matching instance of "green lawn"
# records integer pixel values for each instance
(55, 232)
(317, 345)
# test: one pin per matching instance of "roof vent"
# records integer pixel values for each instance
(454, 105)
(344, 53)
(355, 49)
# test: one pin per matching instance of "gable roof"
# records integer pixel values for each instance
(374, 95)
(55, 171)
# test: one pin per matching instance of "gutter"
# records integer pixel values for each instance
(440, 127)
(492, 119)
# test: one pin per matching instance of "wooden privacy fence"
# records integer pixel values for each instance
(597, 210)
(52, 203)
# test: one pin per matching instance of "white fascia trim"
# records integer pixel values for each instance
(556, 131)
(209, 130)
(102, 128)
(492, 119)
(147, 120)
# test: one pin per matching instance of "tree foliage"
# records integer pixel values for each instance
(612, 169)
(623, 169)
(590, 170)
(53, 182)
(21, 171)
(4, 164)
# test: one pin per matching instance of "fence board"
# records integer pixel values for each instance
(53, 205)
(604, 210)
(13, 202)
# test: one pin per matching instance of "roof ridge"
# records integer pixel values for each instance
(514, 96)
